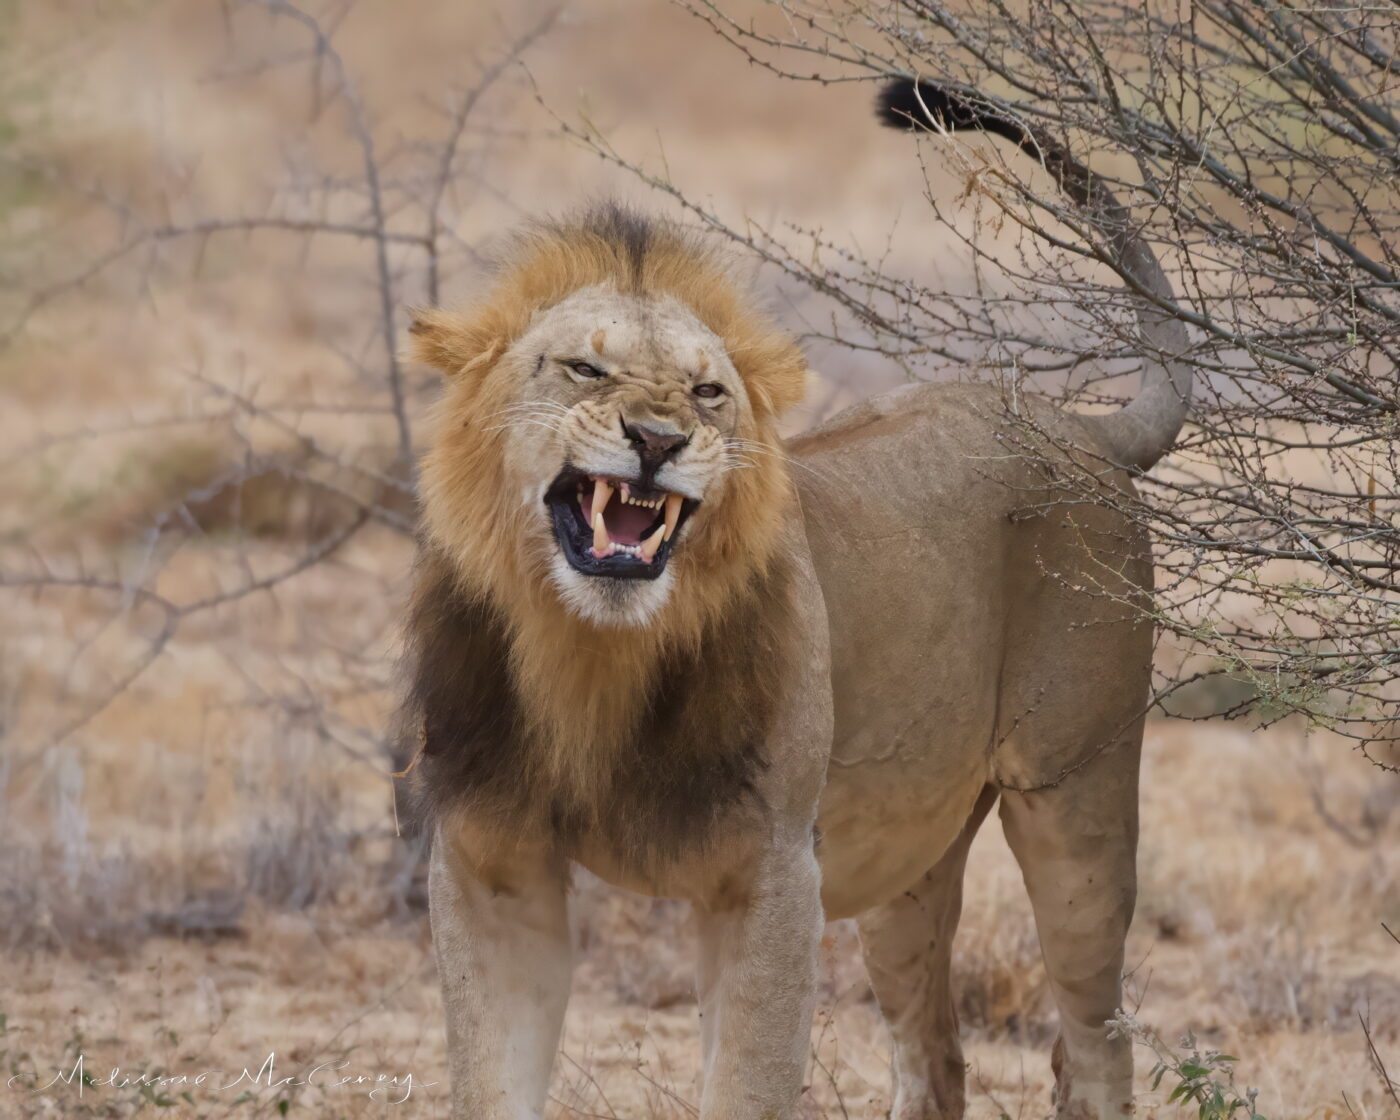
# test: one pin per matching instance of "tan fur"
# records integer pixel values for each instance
(930, 624)
(585, 706)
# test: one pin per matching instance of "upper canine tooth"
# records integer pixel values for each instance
(673, 514)
(602, 494)
(652, 543)
(601, 544)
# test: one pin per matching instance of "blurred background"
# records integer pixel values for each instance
(214, 218)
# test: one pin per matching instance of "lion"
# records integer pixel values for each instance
(783, 681)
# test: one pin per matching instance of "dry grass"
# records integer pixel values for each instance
(205, 870)
(314, 965)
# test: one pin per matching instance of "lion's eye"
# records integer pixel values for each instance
(709, 390)
(583, 369)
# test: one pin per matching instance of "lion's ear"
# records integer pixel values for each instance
(781, 383)
(450, 342)
(790, 388)
(769, 360)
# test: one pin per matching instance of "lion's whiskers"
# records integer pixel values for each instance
(755, 447)
(531, 408)
(545, 424)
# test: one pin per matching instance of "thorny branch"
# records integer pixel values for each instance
(1257, 148)
(404, 205)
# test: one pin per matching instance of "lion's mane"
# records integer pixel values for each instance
(526, 711)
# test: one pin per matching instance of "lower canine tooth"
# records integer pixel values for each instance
(601, 543)
(673, 515)
(652, 543)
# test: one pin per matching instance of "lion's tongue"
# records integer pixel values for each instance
(626, 524)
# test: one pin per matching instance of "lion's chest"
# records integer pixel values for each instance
(627, 788)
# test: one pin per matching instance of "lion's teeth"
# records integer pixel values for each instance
(601, 543)
(602, 495)
(673, 514)
(652, 543)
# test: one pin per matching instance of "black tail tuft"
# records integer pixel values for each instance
(900, 106)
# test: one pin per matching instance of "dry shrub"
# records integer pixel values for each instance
(298, 850)
(62, 889)
(1283, 979)
(640, 949)
(110, 900)
(999, 985)
(289, 497)
(210, 487)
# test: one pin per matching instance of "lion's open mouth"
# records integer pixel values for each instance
(610, 527)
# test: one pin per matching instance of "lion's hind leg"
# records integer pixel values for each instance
(908, 947)
(1076, 842)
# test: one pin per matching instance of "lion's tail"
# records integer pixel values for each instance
(1143, 431)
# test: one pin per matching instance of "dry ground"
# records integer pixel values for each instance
(200, 867)
(1258, 929)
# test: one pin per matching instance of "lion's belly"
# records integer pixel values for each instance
(915, 683)
(880, 834)
(908, 536)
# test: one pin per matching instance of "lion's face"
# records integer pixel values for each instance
(607, 439)
(618, 439)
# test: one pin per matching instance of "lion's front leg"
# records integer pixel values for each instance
(757, 987)
(503, 955)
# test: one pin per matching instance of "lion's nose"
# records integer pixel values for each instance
(653, 446)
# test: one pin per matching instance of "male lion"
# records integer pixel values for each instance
(639, 642)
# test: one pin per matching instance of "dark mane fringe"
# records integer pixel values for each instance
(629, 232)
(693, 758)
